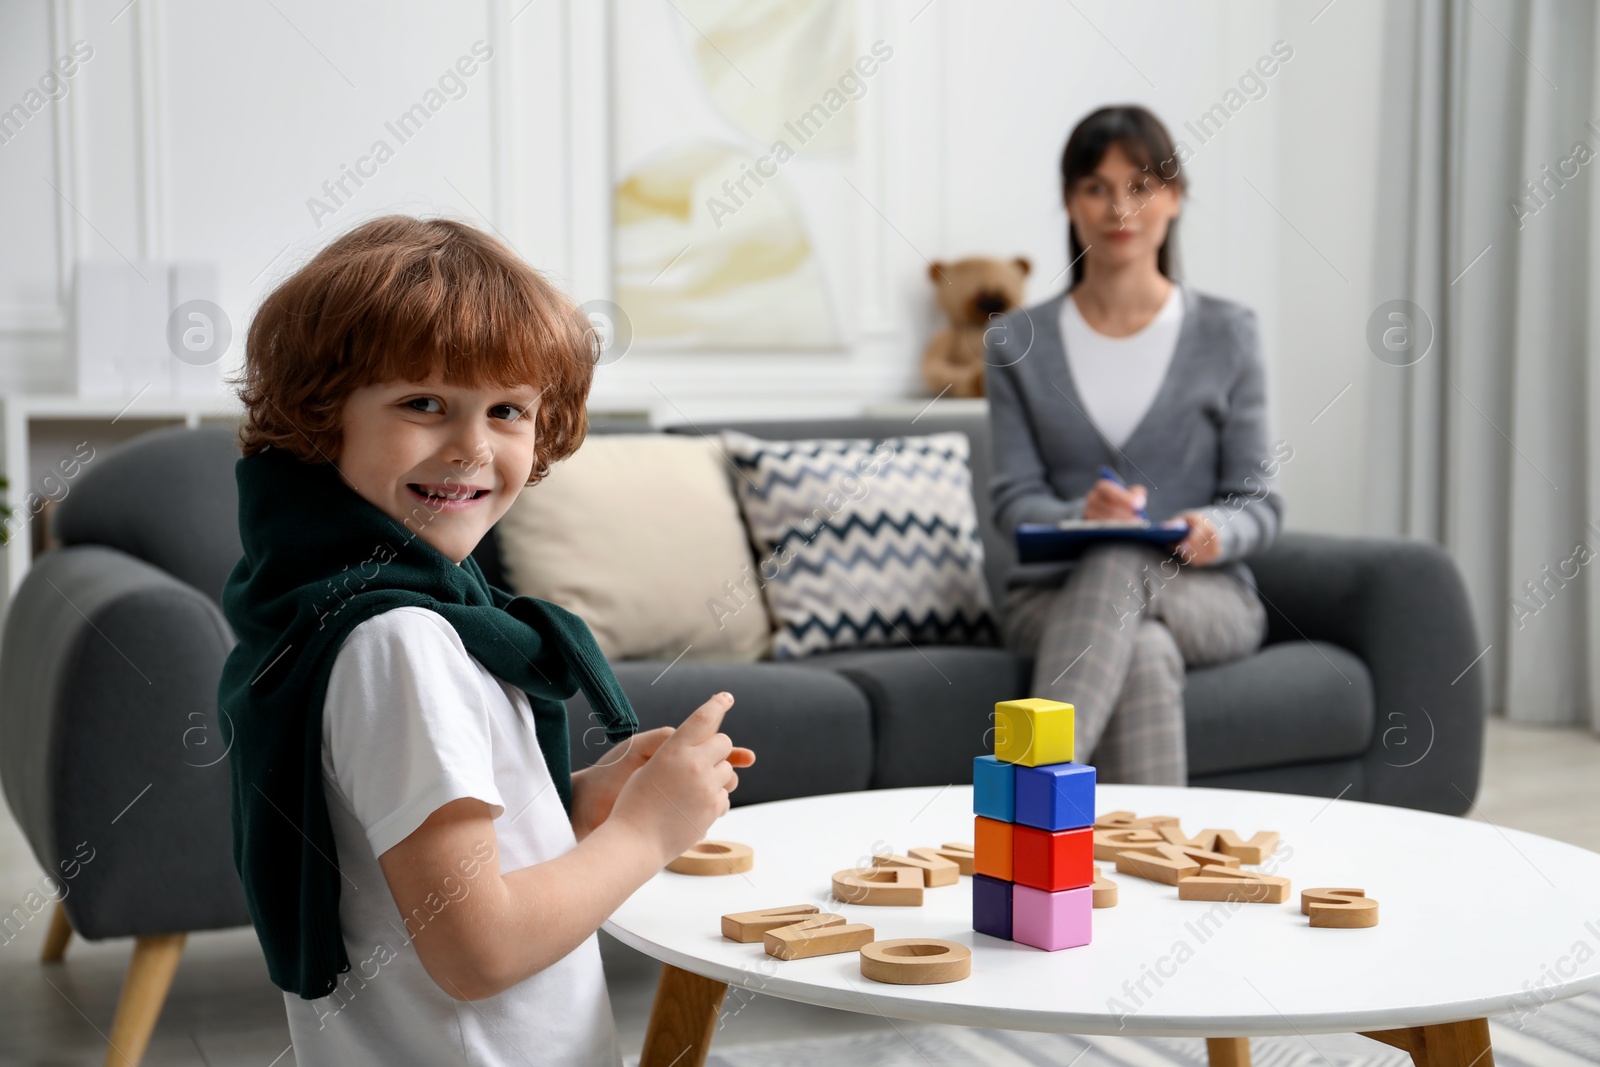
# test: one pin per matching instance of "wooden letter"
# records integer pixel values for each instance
(714, 857)
(1339, 909)
(1104, 892)
(915, 961)
(1159, 863)
(1109, 844)
(1127, 820)
(822, 935)
(1174, 835)
(1114, 820)
(747, 927)
(957, 852)
(1256, 850)
(1209, 859)
(936, 870)
(879, 886)
(1227, 883)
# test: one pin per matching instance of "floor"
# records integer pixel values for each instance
(223, 1010)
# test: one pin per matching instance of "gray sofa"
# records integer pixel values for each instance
(113, 758)
(1359, 676)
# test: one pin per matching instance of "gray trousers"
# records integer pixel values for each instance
(1113, 641)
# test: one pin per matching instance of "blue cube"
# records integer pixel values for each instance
(992, 790)
(1056, 796)
(991, 906)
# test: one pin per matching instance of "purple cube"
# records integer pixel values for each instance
(1051, 921)
(991, 906)
(1056, 796)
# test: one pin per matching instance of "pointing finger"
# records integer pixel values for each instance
(703, 721)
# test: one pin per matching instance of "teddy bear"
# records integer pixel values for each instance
(972, 292)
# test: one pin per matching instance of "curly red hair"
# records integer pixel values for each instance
(396, 299)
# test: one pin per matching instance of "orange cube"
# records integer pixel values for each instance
(991, 847)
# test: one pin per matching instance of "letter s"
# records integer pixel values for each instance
(483, 50)
(1283, 50)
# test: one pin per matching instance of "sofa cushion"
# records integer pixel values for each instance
(811, 730)
(1324, 778)
(1294, 702)
(640, 535)
(932, 706)
(1291, 703)
(998, 552)
(864, 542)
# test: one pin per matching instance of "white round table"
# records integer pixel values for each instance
(1474, 920)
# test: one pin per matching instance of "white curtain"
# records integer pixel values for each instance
(1488, 444)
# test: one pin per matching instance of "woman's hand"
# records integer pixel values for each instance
(1110, 502)
(1204, 543)
(595, 789)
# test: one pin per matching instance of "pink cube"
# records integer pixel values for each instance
(1051, 920)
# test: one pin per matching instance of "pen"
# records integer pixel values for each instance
(1111, 476)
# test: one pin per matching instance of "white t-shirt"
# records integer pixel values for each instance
(1117, 378)
(412, 721)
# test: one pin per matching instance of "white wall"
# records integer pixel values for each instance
(200, 130)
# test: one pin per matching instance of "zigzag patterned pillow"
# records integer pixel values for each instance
(863, 542)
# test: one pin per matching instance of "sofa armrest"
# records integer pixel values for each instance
(114, 762)
(1402, 607)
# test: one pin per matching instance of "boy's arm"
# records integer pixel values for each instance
(494, 930)
(500, 929)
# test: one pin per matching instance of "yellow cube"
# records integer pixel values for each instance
(1033, 732)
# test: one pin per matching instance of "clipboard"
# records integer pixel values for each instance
(1051, 542)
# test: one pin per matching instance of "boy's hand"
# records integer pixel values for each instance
(674, 797)
(595, 788)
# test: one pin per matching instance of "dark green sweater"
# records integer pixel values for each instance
(318, 559)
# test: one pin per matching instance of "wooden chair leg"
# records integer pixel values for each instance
(144, 991)
(1459, 1044)
(1228, 1051)
(56, 938)
(682, 1019)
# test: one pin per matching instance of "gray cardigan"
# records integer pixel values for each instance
(1202, 444)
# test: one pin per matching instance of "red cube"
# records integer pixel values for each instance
(1053, 861)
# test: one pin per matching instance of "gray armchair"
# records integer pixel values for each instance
(113, 761)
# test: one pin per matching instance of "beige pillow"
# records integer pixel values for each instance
(640, 535)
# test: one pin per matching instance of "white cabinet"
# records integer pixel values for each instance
(47, 436)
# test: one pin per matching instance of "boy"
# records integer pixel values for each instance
(424, 872)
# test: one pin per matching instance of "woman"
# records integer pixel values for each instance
(1132, 371)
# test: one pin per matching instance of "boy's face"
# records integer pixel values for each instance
(402, 440)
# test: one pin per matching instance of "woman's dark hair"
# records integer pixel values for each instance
(1145, 141)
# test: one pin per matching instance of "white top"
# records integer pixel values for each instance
(1474, 920)
(1117, 378)
(412, 721)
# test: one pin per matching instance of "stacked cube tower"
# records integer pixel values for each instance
(1033, 844)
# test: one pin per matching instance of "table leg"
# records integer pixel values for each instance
(682, 1019)
(1460, 1044)
(1228, 1051)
